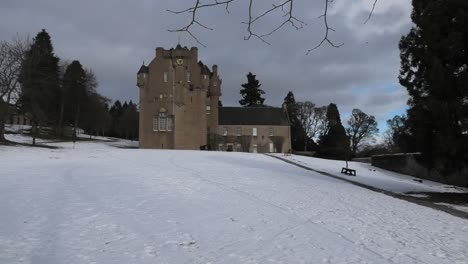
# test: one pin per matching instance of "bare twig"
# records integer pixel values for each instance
(327, 30)
(286, 7)
(371, 12)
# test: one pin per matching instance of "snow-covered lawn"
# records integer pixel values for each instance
(373, 176)
(100, 204)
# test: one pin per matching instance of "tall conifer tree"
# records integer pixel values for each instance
(251, 94)
(297, 132)
(434, 70)
(334, 143)
(39, 80)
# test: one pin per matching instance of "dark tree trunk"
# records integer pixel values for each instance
(2, 129)
(75, 125)
(62, 110)
(34, 131)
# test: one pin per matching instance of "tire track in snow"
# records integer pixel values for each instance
(284, 211)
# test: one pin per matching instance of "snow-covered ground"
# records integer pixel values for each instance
(96, 203)
(373, 176)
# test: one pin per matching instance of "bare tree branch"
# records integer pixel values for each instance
(286, 7)
(327, 30)
(193, 11)
(371, 12)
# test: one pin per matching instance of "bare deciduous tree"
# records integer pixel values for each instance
(11, 56)
(285, 7)
(318, 122)
(360, 127)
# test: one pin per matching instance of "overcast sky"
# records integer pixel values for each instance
(113, 37)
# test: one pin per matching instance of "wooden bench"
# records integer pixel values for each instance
(348, 171)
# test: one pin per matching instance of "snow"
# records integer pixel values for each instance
(96, 203)
(373, 176)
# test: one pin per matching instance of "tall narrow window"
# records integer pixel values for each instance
(225, 131)
(162, 122)
(155, 123)
(254, 131)
(208, 109)
(239, 131)
(189, 79)
(165, 76)
(271, 132)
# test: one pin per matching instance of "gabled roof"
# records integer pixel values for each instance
(261, 116)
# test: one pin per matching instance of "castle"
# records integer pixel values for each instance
(180, 109)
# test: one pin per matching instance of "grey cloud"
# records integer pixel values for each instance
(114, 37)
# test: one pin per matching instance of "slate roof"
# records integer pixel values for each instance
(204, 69)
(261, 116)
(143, 69)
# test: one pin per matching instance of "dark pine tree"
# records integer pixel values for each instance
(75, 90)
(434, 70)
(251, 92)
(297, 131)
(116, 112)
(39, 78)
(334, 143)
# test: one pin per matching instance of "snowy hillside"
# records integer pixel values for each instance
(100, 204)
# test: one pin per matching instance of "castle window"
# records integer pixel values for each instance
(254, 131)
(188, 77)
(155, 123)
(208, 109)
(239, 131)
(165, 76)
(204, 76)
(225, 131)
(162, 122)
(271, 131)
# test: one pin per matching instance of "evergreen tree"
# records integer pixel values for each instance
(251, 94)
(297, 139)
(95, 118)
(334, 143)
(74, 81)
(115, 113)
(39, 79)
(434, 70)
(128, 126)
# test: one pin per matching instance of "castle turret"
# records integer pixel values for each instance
(142, 76)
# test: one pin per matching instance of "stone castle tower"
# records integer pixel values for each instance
(178, 100)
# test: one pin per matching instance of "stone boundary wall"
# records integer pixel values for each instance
(411, 164)
(363, 160)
